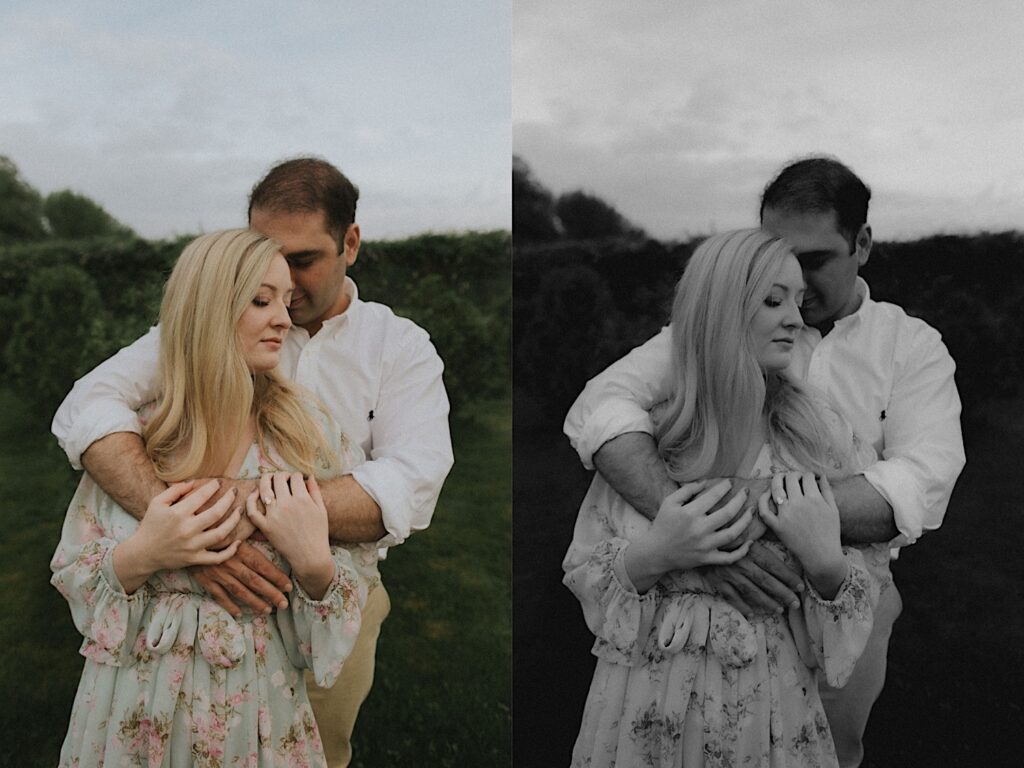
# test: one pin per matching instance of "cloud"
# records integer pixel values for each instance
(679, 114)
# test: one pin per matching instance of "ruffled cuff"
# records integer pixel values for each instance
(618, 616)
(108, 618)
(323, 632)
(838, 629)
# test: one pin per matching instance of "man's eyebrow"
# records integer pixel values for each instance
(812, 254)
(301, 255)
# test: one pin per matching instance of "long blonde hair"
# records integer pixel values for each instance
(721, 393)
(207, 392)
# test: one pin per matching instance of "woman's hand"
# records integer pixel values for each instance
(295, 522)
(807, 522)
(174, 533)
(684, 535)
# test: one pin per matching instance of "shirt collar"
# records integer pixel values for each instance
(864, 294)
(352, 292)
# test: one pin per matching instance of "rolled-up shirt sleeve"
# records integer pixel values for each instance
(618, 400)
(412, 451)
(105, 400)
(923, 451)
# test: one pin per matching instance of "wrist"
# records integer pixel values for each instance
(828, 576)
(131, 563)
(315, 576)
(644, 562)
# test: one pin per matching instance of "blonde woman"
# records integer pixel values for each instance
(171, 678)
(682, 677)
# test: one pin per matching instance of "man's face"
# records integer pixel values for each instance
(830, 269)
(317, 268)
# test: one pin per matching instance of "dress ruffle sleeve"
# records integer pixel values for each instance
(619, 617)
(320, 634)
(832, 634)
(83, 573)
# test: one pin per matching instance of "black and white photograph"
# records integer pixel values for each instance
(767, 408)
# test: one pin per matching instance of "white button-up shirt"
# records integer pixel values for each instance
(889, 373)
(377, 375)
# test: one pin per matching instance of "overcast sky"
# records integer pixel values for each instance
(678, 113)
(167, 113)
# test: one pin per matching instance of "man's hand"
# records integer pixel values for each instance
(754, 487)
(686, 533)
(760, 582)
(242, 487)
(248, 577)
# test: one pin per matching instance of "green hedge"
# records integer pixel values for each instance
(67, 305)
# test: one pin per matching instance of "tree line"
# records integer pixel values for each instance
(76, 285)
(589, 286)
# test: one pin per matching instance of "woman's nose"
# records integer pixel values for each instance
(281, 317)
(793, 317)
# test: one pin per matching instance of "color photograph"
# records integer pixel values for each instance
(292, 541)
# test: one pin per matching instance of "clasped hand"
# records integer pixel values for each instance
(177, 532)
(686, 533)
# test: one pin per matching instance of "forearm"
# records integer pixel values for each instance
(130, 565)
(643, 564)
(865, 516)
(630, 464)
(120, 466)
(353, 516)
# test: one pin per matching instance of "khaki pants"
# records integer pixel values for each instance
(848, 707)
(336, 708)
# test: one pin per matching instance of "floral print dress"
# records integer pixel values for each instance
(683, 679)
(172, 679)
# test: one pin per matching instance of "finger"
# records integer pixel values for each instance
(266, 489)
(708, 498)
(727, 511)
(314, 491)
(766, 513)
(297, 485)
(262, 575)
(826, 492)
(174, 491)
(764, 563)
(727, 558)
(208, 557)
(212, 536)
(220, 596)
(810, 485)
(753, 595)
(281, 489)
(778, 489)
(686, 492)
(257, 515)
(792, 483)
(725, 535)
(213, 514)
(732, 596)
(197, 499)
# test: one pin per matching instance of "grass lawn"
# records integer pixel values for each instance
(443, 684)
(956, 658)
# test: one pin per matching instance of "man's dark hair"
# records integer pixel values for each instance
(818, 185)
(308, 184)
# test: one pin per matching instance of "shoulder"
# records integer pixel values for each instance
(395, 337)
(383, 320)
(908, 335)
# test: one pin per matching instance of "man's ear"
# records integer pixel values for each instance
(350, 244)
(862, 244)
